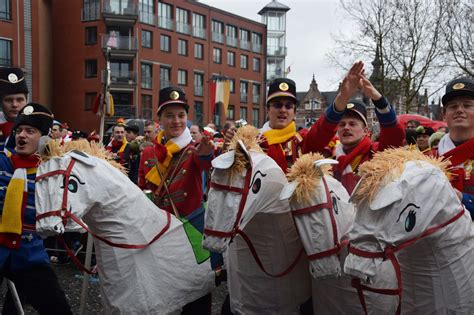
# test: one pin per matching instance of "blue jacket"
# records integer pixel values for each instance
(31, 251)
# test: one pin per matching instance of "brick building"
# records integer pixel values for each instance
(152, 44)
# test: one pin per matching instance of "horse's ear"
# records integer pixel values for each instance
(43, 146)
(83, 158)
(322, 162)
(224, 161)
(244, 148)
(288, 190)
(389, 194)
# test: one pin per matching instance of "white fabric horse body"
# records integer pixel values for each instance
(268, 224)
(159, 279)
(419, 204)
(319, 203)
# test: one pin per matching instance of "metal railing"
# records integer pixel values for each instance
(199, 32)
(183, 28)
(121, 77)
(119, 42)
(217, 37)
(124, 111)
(232, 41)
(120, 7)
(165, 23)
(244, 44)
(276, 51)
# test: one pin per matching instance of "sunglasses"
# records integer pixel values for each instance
(278, 105)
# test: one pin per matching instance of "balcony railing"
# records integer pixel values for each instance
(183, 28)
(231, 41)
(256, 99)
(276, 51)
(257, 48)
(198, 90)
(165, 23)
(217, 37)
(90, 12)
(124, 111)
(147, 18)
(199, 32)
(243, 97)
(121, 77)
(119, 42)
(120, 7)
(244, 44)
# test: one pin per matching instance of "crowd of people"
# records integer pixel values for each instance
(172, 161)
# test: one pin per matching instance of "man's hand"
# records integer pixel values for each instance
(229, 134)
(205, 147)
(368, 89)
(349, 86)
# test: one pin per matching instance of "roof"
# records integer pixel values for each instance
(274, 6)
(329, 96)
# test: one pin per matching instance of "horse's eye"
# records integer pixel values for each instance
(72, 185)
(256, 185)
(410, 221)
(334, 205)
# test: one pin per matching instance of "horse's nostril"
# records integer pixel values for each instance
(56, 228)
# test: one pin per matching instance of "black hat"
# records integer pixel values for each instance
(35, 115)
(422, 130)
(12, 81)
(78, 134)
(282, 87)
(358, 107)
(172, 95)
(458, 87)
(132, 127)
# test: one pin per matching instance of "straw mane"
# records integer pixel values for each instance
(55, 149)
(387, 166)
(307, 176)
(249, 136)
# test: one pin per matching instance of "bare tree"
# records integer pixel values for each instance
(404, 38)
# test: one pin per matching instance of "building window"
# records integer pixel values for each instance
(182, 21)
(89, 101)
(5, 52)
(243, 112)
(120, 72)
(198, 117)
(232, 86)
(217, 55)
(182, 77)
(147, 39)
(165, 43)
(217, 114)
(230, 112)
(165, 77)
(256, 42)
(231, 58)
(91, 35)
(198, 84)
(165, 15)
(147, 106)
(217, 31)
(146, 11)
(182, 47)
(231, 35)
(147, 75)
(90, 10)
(244, 39)
(244, 86)
(199, 26)
(256, 64)
(255, 117)
(244, 61)
(91, 68)
(198, 51)
(256, 93)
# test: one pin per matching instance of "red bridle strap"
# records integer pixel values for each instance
(389, 253)
(327, 205)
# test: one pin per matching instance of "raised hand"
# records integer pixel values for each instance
(349, 85)
(368, 89)
(206, 147)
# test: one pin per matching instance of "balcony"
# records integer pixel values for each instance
(199, 32)
(121, 80)
(244, 44)
(148, 18)
(243, 97)
(276, 51)
(124, 111)
(90, 12)
(119, 12)
(165, 23)
(257, 48)
(232, 41)
(218, 37)
(183, 28)
(122, 47)
(198, 90)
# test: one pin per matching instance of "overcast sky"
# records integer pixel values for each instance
(310, 24)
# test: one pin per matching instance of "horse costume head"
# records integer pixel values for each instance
(244, 181)
(402, 197)
(66, 189)
(322, 213)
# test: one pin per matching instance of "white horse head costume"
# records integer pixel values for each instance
(408, 213)
(323, 216)
(158, 278)
(244, 203)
